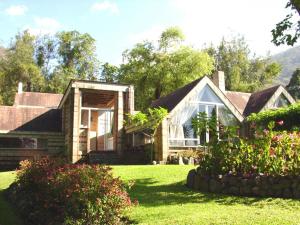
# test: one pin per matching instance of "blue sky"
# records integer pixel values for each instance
(119, 24)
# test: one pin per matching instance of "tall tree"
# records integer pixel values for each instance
(294, 85)
(46, 54)
(157, 69)
(243, 72)
(287, 31)
(19, 65)
(109, 73)
(76, 57)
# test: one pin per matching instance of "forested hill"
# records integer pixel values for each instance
(289, 60)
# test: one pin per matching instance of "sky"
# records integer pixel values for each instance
(117, 25)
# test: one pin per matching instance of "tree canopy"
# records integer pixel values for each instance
(243, 71)
(158, 68)
(17, 65)
(294, 85)
(287, 31)
(46, 63)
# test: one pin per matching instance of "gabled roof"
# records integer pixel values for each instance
(259, 99)
(37, 99)
(239, 99)
(171, 100)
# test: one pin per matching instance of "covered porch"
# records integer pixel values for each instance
(93, 116)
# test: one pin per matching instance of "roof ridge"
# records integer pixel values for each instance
(239, 92)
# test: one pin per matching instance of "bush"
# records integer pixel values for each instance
(269, 153)
(49, 192)
(290, 115)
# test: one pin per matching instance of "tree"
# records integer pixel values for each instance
(18, 65)
(243, 72)
(46, 53)
(294, 85)
(109, 73)
(76, 58)
(287, 31)
(157, 69)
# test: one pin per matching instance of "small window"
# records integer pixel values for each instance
(23, 143)
(84, 118)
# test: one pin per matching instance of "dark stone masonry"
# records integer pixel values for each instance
(255, 185)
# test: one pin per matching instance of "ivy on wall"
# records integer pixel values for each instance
(289, 117)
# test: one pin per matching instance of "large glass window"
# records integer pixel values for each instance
(181, 132)
(281, 101)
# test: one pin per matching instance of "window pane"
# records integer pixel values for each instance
(208, 95)
(23, 143)
(281, 102)
(225, 117)
(84, 118)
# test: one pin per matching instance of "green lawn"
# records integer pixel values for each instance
(7, 216)
(163, 199)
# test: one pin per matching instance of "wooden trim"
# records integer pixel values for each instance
(280, 90)
(93, 85)
(205, 80)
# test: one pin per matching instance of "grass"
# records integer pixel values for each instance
(7, 215)
(163, 199)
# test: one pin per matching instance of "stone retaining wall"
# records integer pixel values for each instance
(256, 185)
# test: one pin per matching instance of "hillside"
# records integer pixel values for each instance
(289, 60)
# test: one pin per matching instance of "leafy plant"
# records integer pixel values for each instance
(150, 120)
(50, 192)
(290, 115)
(269, 152)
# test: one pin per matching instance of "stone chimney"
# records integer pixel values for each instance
(218, 79)
(20, 87)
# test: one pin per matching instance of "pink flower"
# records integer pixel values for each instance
(266, 132)
(280, 123)
(272, 152)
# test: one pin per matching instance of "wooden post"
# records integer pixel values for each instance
(130, 99)
(76, 119)
(161, 145)
(120, 118)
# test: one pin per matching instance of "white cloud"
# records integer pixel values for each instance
(16, 10)
(44, 25)
(105, 6)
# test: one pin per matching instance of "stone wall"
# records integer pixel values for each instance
(255, 185)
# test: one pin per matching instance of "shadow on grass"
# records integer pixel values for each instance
(150, 193)
(7, 212)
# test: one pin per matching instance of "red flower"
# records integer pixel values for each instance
(272, 152)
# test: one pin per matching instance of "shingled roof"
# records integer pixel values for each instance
(239, 99)
(30, 119)
(171, 100)
(37, 99)
(259, 99)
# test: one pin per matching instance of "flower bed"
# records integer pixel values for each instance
(266, 165)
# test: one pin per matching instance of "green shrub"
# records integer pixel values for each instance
(269, 152)
(48, 192)
(290, 115)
